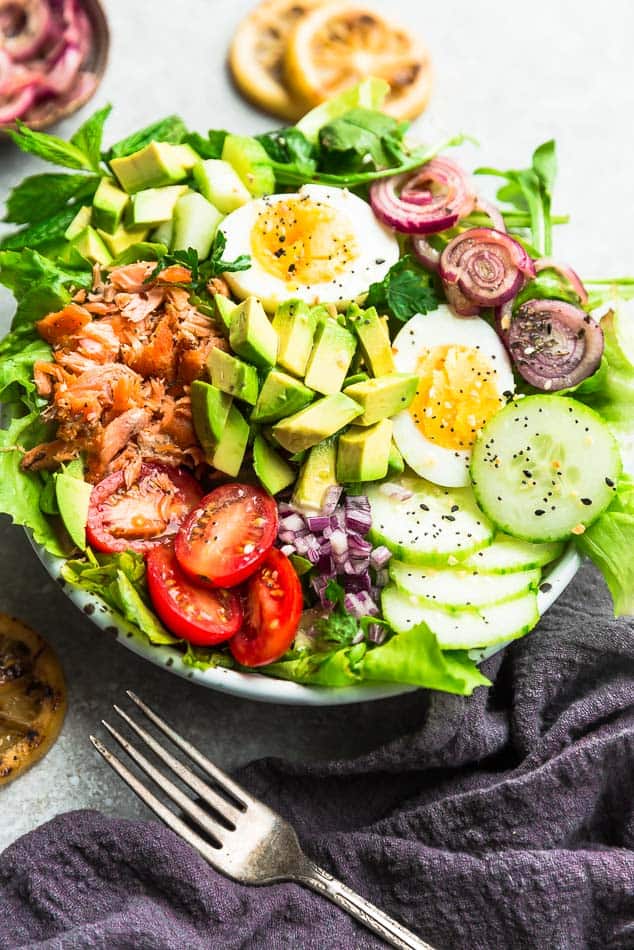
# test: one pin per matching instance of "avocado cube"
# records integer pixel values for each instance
(249, 159)
(232, 376)
(383, 396)
(229, 452)
(363, 453)
(220, 183)
(225, 309)
(316, 477)
(210, 411)
(316, 422)
(90, 245)
(81, 220)
(155, 205)
(122, 239)
(73, 500)
(330, 357)
(395, 462)
(108, 206)
(274, 473)
(195, 224)
(186, 156)
(374, 341)
(280, 396)
(251, 335)
(295, 323)
(158, 164)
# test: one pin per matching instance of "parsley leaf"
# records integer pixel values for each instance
(40, 196)
(405, 290)
(210, 147)
(202, 272)
(171, 129)
(88, 136)
(50, 148)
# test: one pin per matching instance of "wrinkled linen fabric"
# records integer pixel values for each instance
(501, 821)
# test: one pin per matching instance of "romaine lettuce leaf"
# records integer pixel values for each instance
(609, 542)
(17, 356)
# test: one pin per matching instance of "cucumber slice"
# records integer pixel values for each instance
(423, 523)
(545, 467)
(507, 555)
(456, 588)
(464, 629)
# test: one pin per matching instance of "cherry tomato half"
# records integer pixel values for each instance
(272, 610)
(228, 535)
(202, 615)
(148, 513)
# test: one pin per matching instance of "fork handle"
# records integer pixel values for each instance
(365, 912)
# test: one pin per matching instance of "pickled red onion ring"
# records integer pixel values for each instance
(487, 266)
(426, 201)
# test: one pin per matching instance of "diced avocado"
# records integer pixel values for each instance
(251, 162)
(210, 411)
(295, 323)
(220, 183)
(357, 378)
(251, 334)
(91, 246)
(164, 233)
(195, 224)
(281, 395)
(330, 357)
(225, 309)
(155, 205)
(232, 376)
(316, 477)
(383, 396)
(108, 206)
(363, 453)
(374, 341)
(73, 499)
(186, 156)
(395, 463)
(122, 239)
(158, 164)
(319, 420)
(81, 220)
(229, 451)
(270, 467)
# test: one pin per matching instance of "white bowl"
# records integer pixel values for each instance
(265, 688)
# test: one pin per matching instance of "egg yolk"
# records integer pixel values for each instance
(457, 394)
(303, 241)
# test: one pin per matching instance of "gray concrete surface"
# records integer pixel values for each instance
(512, 75)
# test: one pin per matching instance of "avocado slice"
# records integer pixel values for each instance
(229, 452)
(210, 411)
(158, 164)
(250, 161)
(274, 473)
(330, 357)
(225, 309)
(220, 183)
(374, 340)
(90, 245)
(251, 335)
(155, 205)
(108, 206)
(73, 500)
(395, 462)
(295, 323)
(195, 224)
(363, 452)
(316, 477)
(122, 239)
(232, 376)
(383, 396)
(81, 220)
(316, 422)
(280, 396)
(186, 156)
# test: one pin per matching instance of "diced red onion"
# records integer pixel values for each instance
(358, 637)
(357, 582)
(331, 501)
(288, 549)
(358, 546)
(431, 199)
(360, 605)
(426, 254)
(547, 263)
(293, 522)
(339, 542)
(486, 266)
(380, 557)
(392, 490)
(356, 502)
(376, 633)
(317, 523)
(326, 566)
(287, 537)
(325, 547)
(359, 521)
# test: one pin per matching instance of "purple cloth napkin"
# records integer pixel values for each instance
(502, 821)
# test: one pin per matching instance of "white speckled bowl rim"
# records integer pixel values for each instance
(255, 685)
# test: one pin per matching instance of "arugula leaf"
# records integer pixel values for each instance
(171, 129)
(39, 197)
(88, 136)
(406, 289)
(210, 147)
(360, 140)
(202, 272)
(50, 148)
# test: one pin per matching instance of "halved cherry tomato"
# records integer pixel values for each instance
(272, 610)
(147, 513)
(228, 535)
(202, 615)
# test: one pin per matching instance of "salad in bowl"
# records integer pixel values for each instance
(305, 404)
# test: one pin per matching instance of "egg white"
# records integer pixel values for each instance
(377, 247)
(443, 466)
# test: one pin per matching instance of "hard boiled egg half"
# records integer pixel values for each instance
(465, 377)
(322, 245)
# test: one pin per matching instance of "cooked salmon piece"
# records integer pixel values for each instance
(49, 455)
(59, 326)
(120, 431)
(176, 274)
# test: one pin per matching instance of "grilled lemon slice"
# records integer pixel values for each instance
(32, 698)
(335, 45)
(256, 57)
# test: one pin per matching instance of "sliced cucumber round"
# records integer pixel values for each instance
(545, 467)
(454, 588)
(423, 523)
(507, 555)
(464, 629)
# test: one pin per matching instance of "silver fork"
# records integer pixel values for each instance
(244, 839)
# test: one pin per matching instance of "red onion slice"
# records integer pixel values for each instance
(553, 344)
(17, 106)
(494, 213)
(24, 27)
(565, 271)
(487, 266)
(425, 253)
(429, 200)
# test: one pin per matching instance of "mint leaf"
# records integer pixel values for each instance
(50, 148)
(41, 233)
(41, 196)
(171, 129)
(405, 290)
(88, 136)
